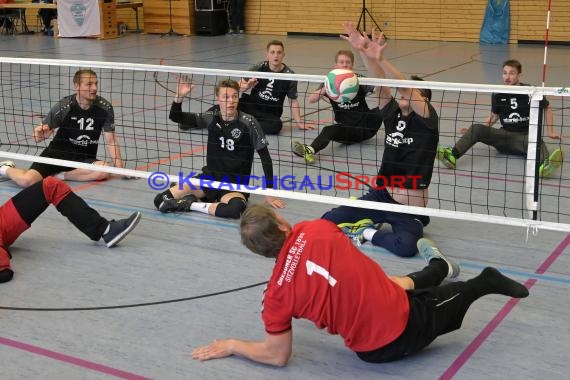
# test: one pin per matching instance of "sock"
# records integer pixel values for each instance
(311, 149)
(491, 281)
(3, 170)
(60, 175)
(368, 233)
(432, 275)
(107, 229)
(200, 207)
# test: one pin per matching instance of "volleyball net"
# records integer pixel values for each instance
(486, 186)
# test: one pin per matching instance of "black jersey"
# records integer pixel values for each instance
(410, 146)
(354, 111)
(268, 95)
(513, 110)
(231, 144)
(79, 130)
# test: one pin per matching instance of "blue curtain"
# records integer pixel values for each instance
(497, 23)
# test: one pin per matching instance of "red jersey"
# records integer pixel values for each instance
(321, 276)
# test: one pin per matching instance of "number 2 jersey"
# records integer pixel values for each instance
(79, 130)
(321, 276)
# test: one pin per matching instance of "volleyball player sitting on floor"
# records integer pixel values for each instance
(233, 137)
(79, 120)
(321, 276)
(265, 102)
(513, 111)
(354, 121)
(410, 146)
(18, 213)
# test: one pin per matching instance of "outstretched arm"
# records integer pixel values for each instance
(296, 111)
(274, 350)
(550, 124)
(373, 51)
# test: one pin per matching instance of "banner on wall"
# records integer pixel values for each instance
(497, 23)
(78, 18)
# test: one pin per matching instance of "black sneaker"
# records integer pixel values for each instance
(182, 204)
(119, 229)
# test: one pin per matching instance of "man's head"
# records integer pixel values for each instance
(275, 54)
(344, 59)
(85, 84)
(404, 101)
(227, 97)
(512, 71)
(263, 231)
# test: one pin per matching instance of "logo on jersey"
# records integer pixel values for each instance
(236, 133)
(515, 118)
(348, 105)
(82, 140)
(267, 94)
(397, 138)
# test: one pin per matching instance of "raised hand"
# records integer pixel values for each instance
(184, 87)
(354, 36)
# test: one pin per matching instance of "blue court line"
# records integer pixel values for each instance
(202, 219)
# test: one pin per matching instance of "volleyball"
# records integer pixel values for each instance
(341, 85)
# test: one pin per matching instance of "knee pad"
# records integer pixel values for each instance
(160, 197)
(55, 190)
(233, 209)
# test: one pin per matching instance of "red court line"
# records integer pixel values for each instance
(492, 325)
(71, 360)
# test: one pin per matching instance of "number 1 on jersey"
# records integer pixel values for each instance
(315, 268)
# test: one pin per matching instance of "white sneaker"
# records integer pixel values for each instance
(429, 251)
(7, 163)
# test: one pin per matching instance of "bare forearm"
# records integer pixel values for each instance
(256, 351)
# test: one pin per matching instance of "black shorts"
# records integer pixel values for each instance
(47, 170)
(215, 195)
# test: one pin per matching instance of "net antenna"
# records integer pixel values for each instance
(171, 32)
(362, 19)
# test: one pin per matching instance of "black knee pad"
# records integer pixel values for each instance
(160, 197)
(233, 209)
(6, 275)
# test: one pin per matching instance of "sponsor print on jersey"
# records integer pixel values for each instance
(82, 140)
(396, 139)
(267, 94)
(515, 118)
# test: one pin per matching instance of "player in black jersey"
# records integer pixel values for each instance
(513, 111)
(265, 102)
(410, 146)
(233, 137)
(79, 120)
(354, 120)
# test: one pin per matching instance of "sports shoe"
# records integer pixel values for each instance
(446, 157)
(429, 251)
(182, 204)
(549, 166)
(119, 229)
(355, 230)
(7, 163)
(303, 150)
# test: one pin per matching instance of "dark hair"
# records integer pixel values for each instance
(348, 53)
(275, 42)
(426, 92)
(260, 232)
(79, 73)
(227, 83)
(513, 63)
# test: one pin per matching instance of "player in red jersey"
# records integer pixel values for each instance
(321, 276)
